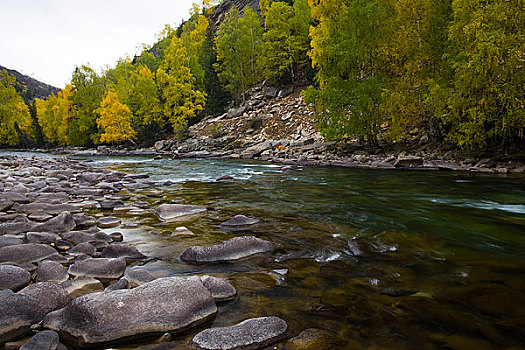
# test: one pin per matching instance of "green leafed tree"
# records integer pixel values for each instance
(345, 50)
(182, 100)
(487, 102)
(144, 98)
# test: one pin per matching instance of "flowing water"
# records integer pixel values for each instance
(388, 260)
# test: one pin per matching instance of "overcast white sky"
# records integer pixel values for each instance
(46, 39)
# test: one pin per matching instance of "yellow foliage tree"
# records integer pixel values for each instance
(14, 113)
(115, 120)
(143, 99)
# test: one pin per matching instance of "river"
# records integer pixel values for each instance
(387, 259)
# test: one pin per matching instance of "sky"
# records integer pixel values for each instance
(46, 39)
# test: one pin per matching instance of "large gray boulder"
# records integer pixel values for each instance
(102, 269)
(29, 306)
(173, 212)
(10, 240)
(53, 209)
(255, 333)
(45, 340)
(28, 253)
(233, 249)
(13, 277)
(61, 223)
(169, 304)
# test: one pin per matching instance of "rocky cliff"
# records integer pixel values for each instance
(226, 5)
(31, 88)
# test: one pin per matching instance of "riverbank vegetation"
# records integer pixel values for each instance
(377, 70)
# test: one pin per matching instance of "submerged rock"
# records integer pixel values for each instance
(233, 249)
(13, 277)
(316, 339)
(165, 305)
(171, 212)
(29, 306)
(240, 220)
(255, 333)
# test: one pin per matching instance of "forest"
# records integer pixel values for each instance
(373, 69)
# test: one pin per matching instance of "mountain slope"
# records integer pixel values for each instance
(32, 87)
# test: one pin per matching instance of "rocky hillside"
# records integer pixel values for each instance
(34, 88)
(226, 5)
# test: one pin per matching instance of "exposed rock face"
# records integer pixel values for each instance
(233, 249)
(45, 340)
(62, 223)
(19, 311)
(165, 305)
(255, 333)
(27, 253)
(13, 277)
(172, 212)
(102, 269)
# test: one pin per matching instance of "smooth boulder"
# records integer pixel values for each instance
(51, 271)
(104, 269)
(81, 286)
(233, 249)
(108, 222)
(255, 333)
(171, 212)
(29, 306)
(122, 250)
(220, 288)
(61, 223)
(27, 253)
(13, 277)
(165, 305)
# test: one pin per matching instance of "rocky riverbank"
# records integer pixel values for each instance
(67, 282)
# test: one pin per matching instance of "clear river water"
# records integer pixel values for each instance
(387, 259)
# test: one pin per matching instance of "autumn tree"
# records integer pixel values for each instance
(15, 119)
(181, 98)
(144, 99)
(115, 120)
(193, 37)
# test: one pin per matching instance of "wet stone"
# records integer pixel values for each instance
(172, 212)
(83, 220)
(137, 277)
(108, 222)
(27, 253)
(233, 249)
(240, 220)
(13, 277)
(62, 223)
(182, 231)
(116, 236)
(255, 333)
(122, 283)
(316, 339)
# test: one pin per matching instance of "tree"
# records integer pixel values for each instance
(193, 37)
(181, 99)
(239, 48)
(15, 119)
(346, 46)
(115, 120)
(87, 92)
(144, 99)
(486, 104)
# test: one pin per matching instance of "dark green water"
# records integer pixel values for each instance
(389, 260)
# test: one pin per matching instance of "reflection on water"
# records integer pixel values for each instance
(388, 260)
